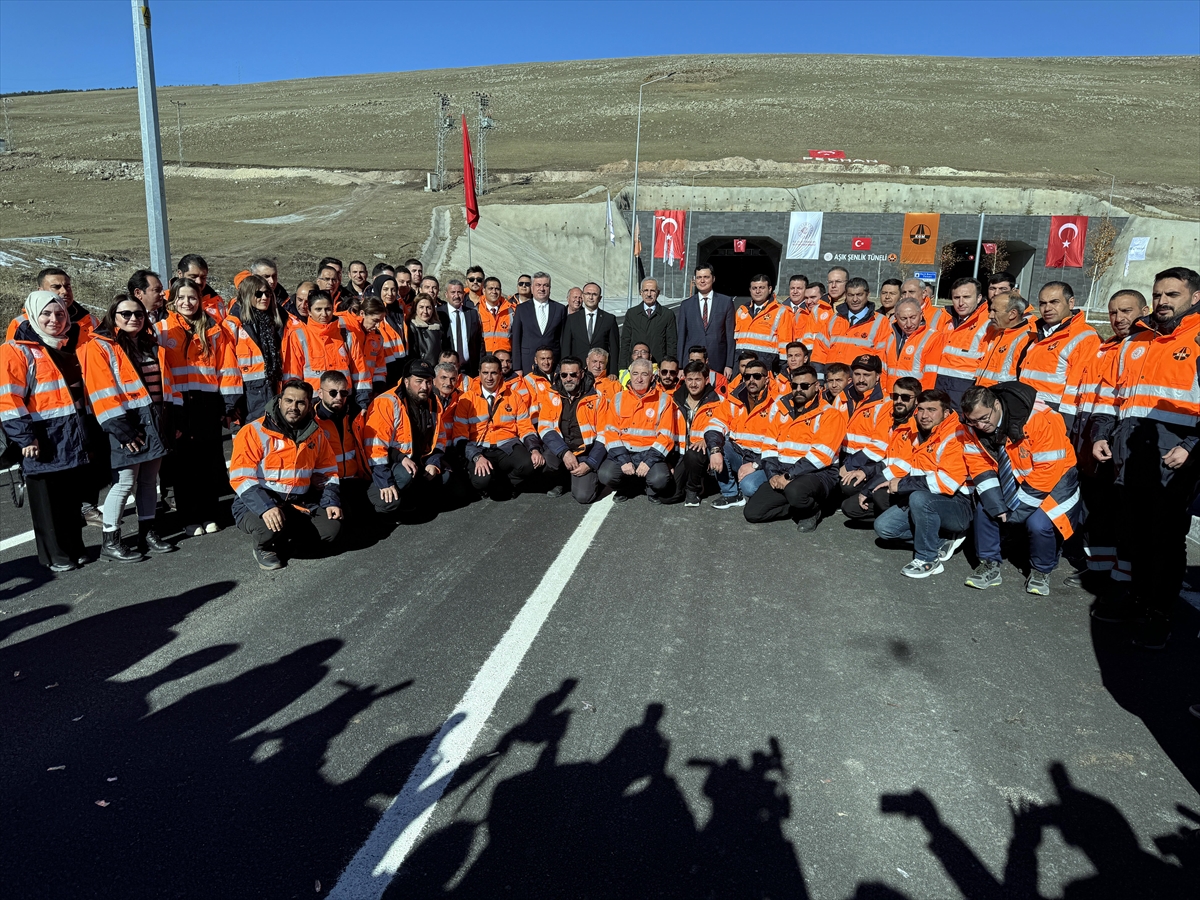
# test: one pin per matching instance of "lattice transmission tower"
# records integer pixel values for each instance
(444, 124)
(486, 123)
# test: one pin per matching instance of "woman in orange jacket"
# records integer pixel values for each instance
(318, 345)
(362, 319)
(258, 328)
(200, 361)
(43, 410)
(124, 376)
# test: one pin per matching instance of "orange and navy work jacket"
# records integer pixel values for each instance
(642, 429)
(497, 326)
(1002, 360)
(847, 341)
(1053, 365)
(389, 436)
(200, 362)
(936, 464)
(270, 470)
(349, 444)
(766, 333)
(913, 356)
(310, 349)
(749, 429)
(502, 426)
(803, 439)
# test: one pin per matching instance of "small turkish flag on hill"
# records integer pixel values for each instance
(826, 154)
(860, 243)
(1068, 236)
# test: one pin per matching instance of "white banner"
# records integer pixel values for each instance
(1137, 251)
(804, 236)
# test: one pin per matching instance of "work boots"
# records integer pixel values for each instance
(112, 548)
(150, 542)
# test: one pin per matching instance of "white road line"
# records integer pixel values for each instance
(377, 861)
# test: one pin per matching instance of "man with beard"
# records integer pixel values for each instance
(698, 402)
(404, 444)
(872, 496)
(571, 438)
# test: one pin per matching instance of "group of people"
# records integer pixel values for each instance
(379, 396)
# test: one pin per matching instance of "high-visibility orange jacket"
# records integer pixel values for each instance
(590, 412)
(248, 350)
(312, 349)
(269, 469)
(497, 327)
(915, 356)
(779, 385)
(394, 334)
(847, 341)
(868, 431)
(608, 387)
(705, 418)
(210, 301)
(113, 384)
(749, 429)
(389, 437)
(367, 358)
(766, 334)
(1157, 396)
(813, 327)
(641, 429)
(349, 444)
(506, 423)
(964, 346)
(936, 317)
(803, 439)
(1053, 364)
(85, 320)
(1096, 394)
(1003, 356)
(936, 464)
(36, 404)
(1043, 463)
(207, 364)
(538, 393)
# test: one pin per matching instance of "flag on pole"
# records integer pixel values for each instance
(612, 235)
(1068, 235)
(469, 178)
(668, 235)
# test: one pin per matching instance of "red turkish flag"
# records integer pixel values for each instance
(1068, 235)
(826, 154)
(860, 243)
(739, 245)
(989, 249)
(469, 178)
(669, 235)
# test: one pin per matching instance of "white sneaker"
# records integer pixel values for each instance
(193, 530)
(729, 502)
(946, 550)
(920, 568)
(211, 527)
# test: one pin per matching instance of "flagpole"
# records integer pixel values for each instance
(470, 255)
(604, 258)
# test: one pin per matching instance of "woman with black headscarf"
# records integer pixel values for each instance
(257, 326)
(393, 329)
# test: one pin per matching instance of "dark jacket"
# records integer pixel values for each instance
(425, 343)
(606, 335)
(560, 440)
(658, 331)
(717, 338)
(527, 337)
(474, 336)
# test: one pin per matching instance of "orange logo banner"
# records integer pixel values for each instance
(919, 244)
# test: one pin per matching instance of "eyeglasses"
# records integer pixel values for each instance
(524, 284)
(976, 421)
(902, 396)
(757, 376)
(131, 314)
(474, 280)
(336, 393)
(566, 375)
(262, 293)
(805, 385)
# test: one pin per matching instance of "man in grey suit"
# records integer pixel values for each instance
(649, 323)
(592, 327)
(706, 318)
(538, 323)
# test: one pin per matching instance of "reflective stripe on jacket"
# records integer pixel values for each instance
(937, 464)
(191, 370)
(803, 441)
(915, 356)
(767, 333)
(1053, 365)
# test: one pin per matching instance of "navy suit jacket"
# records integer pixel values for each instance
(718, 337)
(527, 337)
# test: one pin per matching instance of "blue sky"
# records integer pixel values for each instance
(50, 44)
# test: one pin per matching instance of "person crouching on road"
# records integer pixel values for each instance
(284, 472)
(123, 371)
(405, 441)
(642, 429)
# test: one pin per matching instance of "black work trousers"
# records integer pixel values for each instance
(584, 488)
(197, 463)
(801, 499)
(510, 470)
(657, 483)
(877, 501)
(690, 473)
(54, 505)
(1152, 536)
(416, 492)
(301, 535)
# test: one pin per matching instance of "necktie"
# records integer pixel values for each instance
(459, 344)
(491, 403)
(591, 324)
(704, 313)
(1008, 481)
(649, 312)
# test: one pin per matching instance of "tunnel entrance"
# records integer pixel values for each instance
(1014, 256)
(732, 269)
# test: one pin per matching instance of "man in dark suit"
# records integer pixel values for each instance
(462, 328)
(706, 318)
(538, 323)
(648, 323)
(591, 327)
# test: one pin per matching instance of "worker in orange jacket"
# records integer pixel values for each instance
(536, 388)
(642, 429)
(318, 345)
(405, 442)
(812, 321)
(368, 360)
(1061, 343)
(913, 349)
(495, 315)
(345, 427)
(869, 427)
(284, 473)
(762, 325)
(1150, 443)
(1023, 466)
(800, 459)
(393, 327)
(928, 491)
(501, 447)
(57, 281)
(607, 386)
(1010, 334)
(257, 327)
(699, 405)
(778, 383)
(858, 328)
(570, 428)
(965, 342)
(936, 318)
(861, 473)
(737, 447)
(192, 267)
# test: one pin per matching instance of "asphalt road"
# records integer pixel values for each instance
(709, 709)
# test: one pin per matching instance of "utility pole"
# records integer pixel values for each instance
(485, 124)
(444, 124)
(152, 164)
(179, 104)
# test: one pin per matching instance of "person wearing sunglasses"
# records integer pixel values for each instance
(257, 327)
(524, 290)
(569, 429)
(800, 456)
(344, 424)
(868, 496)
(735, 455)
(124, 374)
(474, 282)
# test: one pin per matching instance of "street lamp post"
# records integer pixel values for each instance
(1112, 187)
(637, 149)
